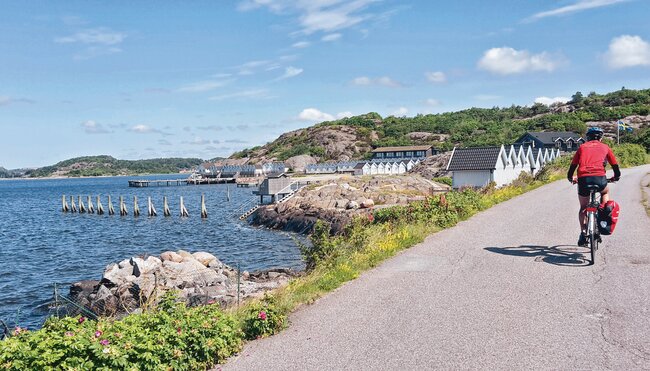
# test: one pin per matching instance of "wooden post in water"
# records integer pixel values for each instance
(184, 212)
(82, 208)
(65, 207)
(152, 210)
(166, 211)
(227, 193)
(136, 208)
(100, 208)
(111, 210)
(123, 210)
(204, 211)
(73, 205)
(91, 208)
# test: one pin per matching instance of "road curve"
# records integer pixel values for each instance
(506, 289)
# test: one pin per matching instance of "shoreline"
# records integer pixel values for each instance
(86, 177)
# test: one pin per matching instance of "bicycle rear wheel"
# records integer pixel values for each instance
(593, 239)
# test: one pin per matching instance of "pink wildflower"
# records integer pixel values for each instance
(18, 330)
(69, 333)
(178, 330)
(211, 301)
(104, 342)
(262, 315)
(81, 320)
(98, 333)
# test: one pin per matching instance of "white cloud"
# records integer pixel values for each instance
(6, 100)
(92, 127)
(548, 101)
(202, 86)
(245, 94)
(578, 6)
(344, 114)
(628, 51)
(507, 61)
(301, 44)
(317, 15)
(431, 102)
(312, 114)
(102, 36)
(143, 129)
(436, 77)
(290, 72)
(402, 111)
(198, 141)
(331, 37)
(381, 81)
(362, 81)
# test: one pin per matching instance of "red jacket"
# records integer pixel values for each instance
(592, 157)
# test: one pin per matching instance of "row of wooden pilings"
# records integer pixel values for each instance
(151, 210)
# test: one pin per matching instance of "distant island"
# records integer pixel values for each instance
(105, 166)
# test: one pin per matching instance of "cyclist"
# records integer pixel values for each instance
(590, 160)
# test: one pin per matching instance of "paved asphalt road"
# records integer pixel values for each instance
(507, 289)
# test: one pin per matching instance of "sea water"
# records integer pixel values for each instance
(40, 245)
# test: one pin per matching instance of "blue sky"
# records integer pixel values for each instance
(144, 79)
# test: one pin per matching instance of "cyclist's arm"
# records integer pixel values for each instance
(612, 161)
(572, 169)
(574, 164)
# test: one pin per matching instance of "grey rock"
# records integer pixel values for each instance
(352, 205)
(171, 256)
(141, 266)
(116, 276)
(204, 258)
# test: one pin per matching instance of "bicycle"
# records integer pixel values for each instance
(593, 234)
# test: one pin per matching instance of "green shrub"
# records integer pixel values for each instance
(444, 180)
(263, 318)
(171, 337)
(630, 154)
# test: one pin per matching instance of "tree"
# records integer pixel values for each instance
(577, 97)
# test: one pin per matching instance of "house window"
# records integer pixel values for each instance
(569, 144)
(390, 154)
(558, 144)
(409, 153)
(399, 154)
(380, 155)
(419, 153)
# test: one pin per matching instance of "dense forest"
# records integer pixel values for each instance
(473, 127)
(107, 165)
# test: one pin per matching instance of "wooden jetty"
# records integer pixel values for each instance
(141, 183)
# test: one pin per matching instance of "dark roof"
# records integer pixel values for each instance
(479, 158)
(404, 148)
(359, 166)
(549, 137)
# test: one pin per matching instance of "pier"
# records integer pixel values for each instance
(142, 183)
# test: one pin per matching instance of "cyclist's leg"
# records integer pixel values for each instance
(582, 214)
(604, 195)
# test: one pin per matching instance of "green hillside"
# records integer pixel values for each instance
(107, 165)
(470, 127)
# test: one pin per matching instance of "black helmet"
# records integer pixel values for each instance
(594, 133)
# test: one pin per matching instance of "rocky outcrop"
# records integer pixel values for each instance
(635, 121)
(434, 166)
(299, 163)
(338, 203)
(200, 278)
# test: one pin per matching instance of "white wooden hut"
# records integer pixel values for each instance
(477, 167)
